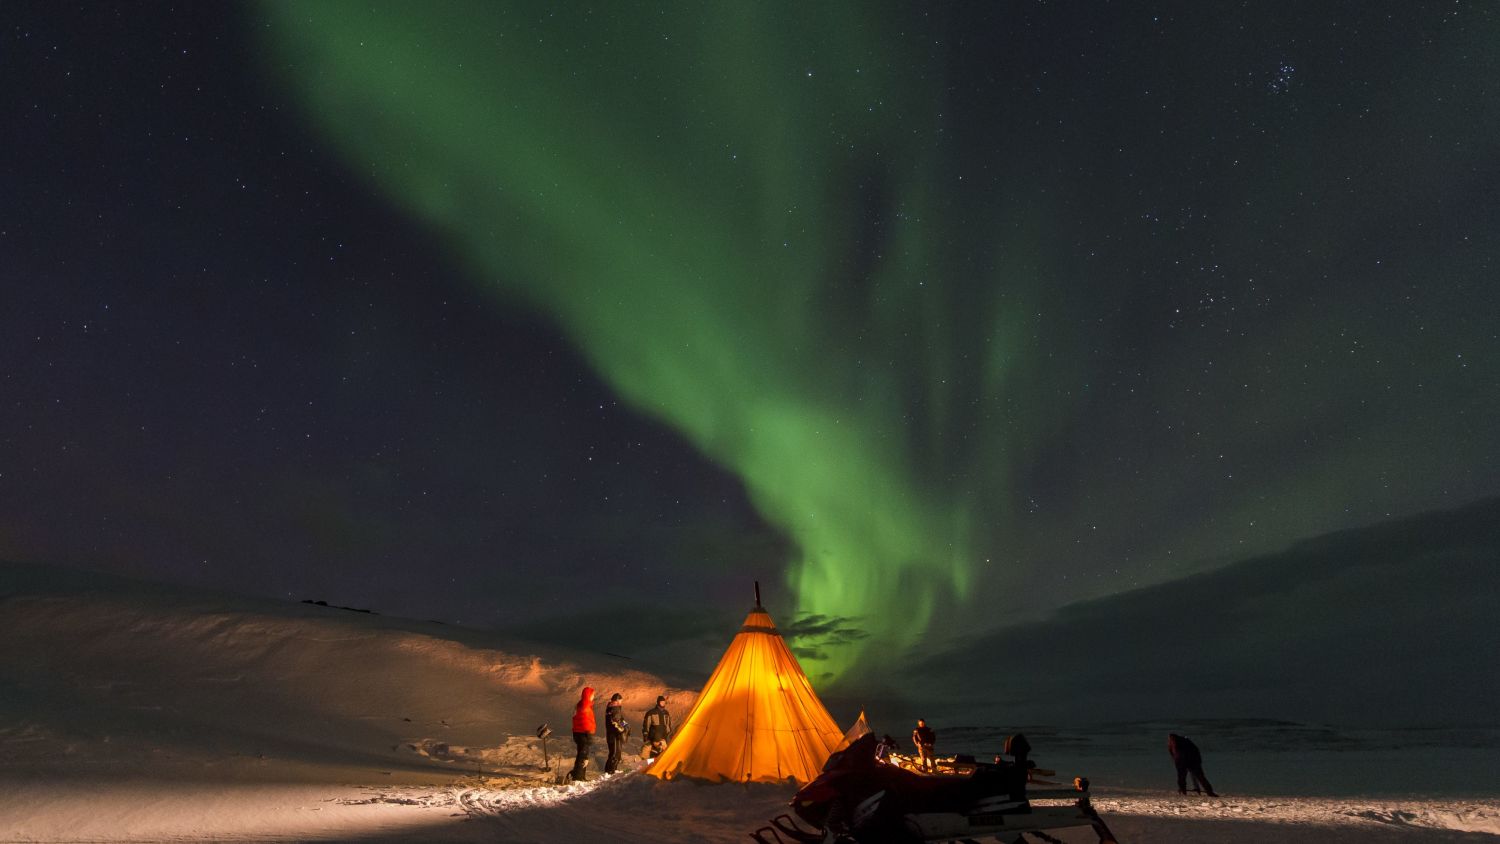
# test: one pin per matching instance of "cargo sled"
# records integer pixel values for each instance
(871, 798)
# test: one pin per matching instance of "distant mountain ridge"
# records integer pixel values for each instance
(1393, 624)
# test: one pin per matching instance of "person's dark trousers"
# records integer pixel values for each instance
(581, 761)
(1199, 780)
(616, 750)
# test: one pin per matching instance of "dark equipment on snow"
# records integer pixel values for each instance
(860, 799)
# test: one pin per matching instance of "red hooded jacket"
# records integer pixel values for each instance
(583, 716)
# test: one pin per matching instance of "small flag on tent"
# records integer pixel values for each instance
(859, 730)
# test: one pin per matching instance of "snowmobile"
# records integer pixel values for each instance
(872, 797)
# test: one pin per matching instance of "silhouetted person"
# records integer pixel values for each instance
(924, 738)
(615, 731)
(583, 734)
(1188, 760)
(885, 747)
(1018, 748)
(656, 728)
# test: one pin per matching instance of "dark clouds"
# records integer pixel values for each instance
(816, 633)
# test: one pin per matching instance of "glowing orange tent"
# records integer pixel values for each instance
(758, 718)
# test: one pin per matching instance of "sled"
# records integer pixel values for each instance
(862, 799)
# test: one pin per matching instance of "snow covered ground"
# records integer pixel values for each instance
(130, 712)
(631, 807)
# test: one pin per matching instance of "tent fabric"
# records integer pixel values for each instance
(756, 720)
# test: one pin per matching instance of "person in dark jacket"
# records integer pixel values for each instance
(1019, 749)
(583, 734)
(656, 728)
(615, 731)
(924, 738)
(1188, 760)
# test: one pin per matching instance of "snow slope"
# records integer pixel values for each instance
(111, 676)
(133, 712)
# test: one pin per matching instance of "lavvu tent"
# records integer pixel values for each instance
(758, 718)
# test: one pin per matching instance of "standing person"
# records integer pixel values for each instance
(1019, 749)
(924, 738)
(583, 734)
(656, 728)
(1188, 760)
(615, 731)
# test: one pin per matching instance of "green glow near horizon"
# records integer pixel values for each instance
(686, 198)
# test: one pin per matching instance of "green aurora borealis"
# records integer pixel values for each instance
(893, 296)
(700, 257)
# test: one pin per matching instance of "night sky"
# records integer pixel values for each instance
(573, 320)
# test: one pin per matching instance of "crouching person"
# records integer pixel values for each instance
(1189, 760)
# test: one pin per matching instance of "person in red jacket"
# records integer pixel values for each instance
(583, 734)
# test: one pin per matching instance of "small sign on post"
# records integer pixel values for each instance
(542, 732)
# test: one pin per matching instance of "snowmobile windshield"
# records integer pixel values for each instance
(858, 756)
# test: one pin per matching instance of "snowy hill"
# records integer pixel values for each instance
(102, 671)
